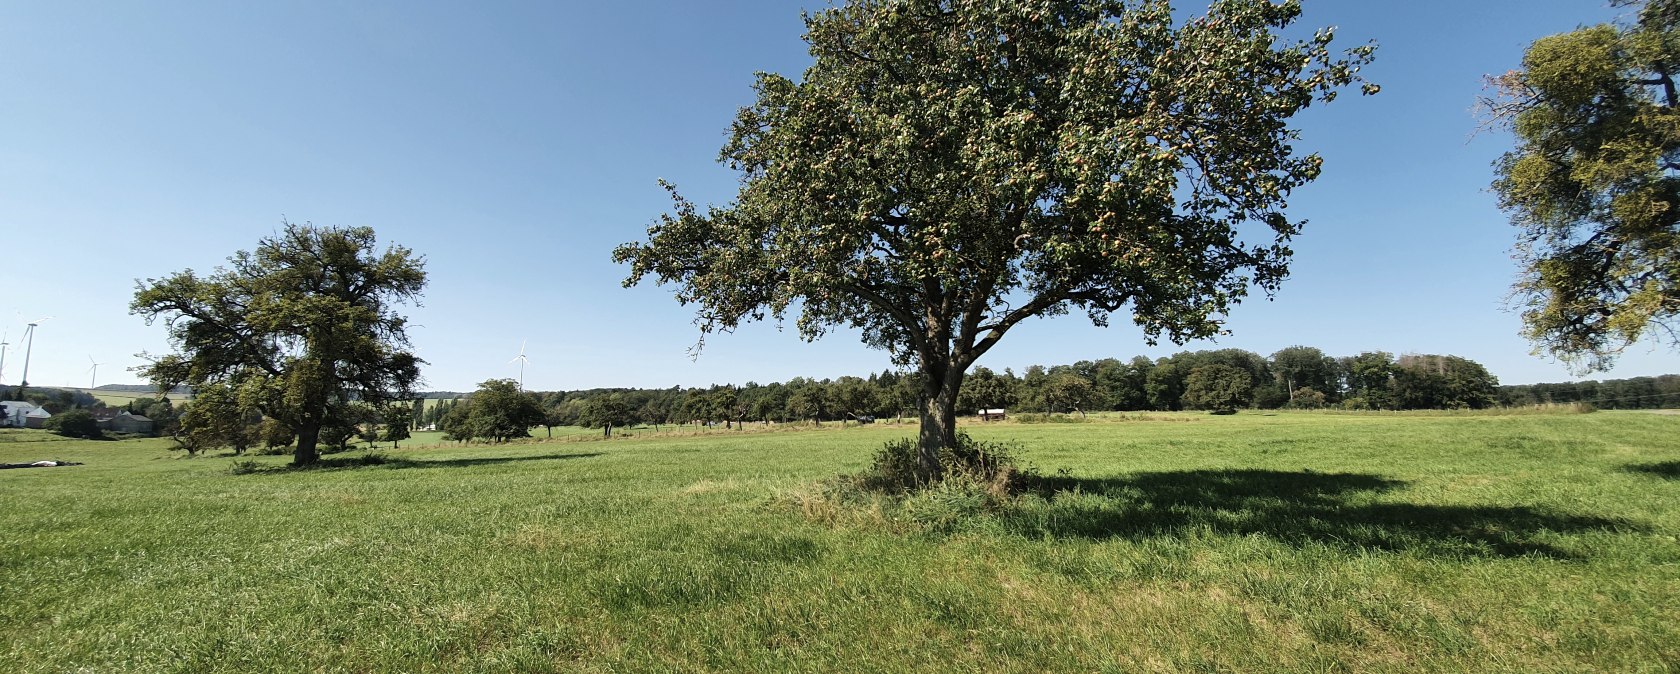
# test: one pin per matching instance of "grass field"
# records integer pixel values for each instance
(1286, 543)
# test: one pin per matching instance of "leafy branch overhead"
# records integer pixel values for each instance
(1594, 184)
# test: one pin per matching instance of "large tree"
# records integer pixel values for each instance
(946, 169)
(299, 328)
(1594, 184)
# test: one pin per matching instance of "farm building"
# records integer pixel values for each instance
(36, 418)
(125, 422)
(17, 413)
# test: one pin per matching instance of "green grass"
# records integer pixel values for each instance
(1286, 543)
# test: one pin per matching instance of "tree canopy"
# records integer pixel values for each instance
(500, 411)
(946, 169)
(300, 328)
(1220, 388)
(1594, 184)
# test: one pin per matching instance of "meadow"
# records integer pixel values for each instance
(1166, 543)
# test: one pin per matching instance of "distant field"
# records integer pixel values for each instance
(1175, 543)
(120, 398)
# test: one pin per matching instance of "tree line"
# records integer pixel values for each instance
(1637, 393)
(1297, 377)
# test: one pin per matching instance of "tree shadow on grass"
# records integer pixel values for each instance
(1335, 509)
(390, 462)
(1665, 469)
(484, 461)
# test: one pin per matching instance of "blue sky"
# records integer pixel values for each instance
(514, 144)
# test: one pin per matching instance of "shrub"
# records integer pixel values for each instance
(1307, 399)
(245, 467)
(76, 423)
(897, 467)
(1047, 418)
(976, 478)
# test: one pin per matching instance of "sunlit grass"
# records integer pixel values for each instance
(1293, 542)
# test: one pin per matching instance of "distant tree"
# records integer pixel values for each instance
(1594, 184)
(1029, 393)
(500, 411)
(852, 398)
(1165, 385)
(607, 411)
(1135, 392)
(906, 393)
(457, 422)
(1304, 367)
(984, 390)
(1220, 388)
(1442, 382)
(274, 434)
(1068, 392)
(808, 402)
(771, 403)
(302, 326)
(1109, 381)
(218, 417)
(77, 423)
(1370, 378)
(346, 423)
(552, 417)
(947, 169)
(398, 418)
(655, 410)
(721, 403)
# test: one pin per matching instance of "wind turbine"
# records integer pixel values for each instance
(3, 344)
(29, 348)
(522, 361)
(93, 372)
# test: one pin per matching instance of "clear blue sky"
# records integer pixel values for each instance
(514, 144)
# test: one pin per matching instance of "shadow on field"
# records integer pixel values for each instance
(484, 461)
(1295, 507)
(1665, 469)
(386, 461)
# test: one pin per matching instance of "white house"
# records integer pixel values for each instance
(16, 414)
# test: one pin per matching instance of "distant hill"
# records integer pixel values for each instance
(139, 388)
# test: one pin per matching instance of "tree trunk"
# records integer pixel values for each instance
(308, 436)
(939, 420)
